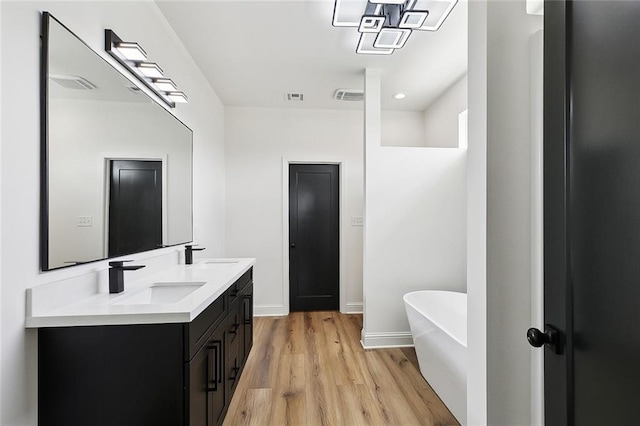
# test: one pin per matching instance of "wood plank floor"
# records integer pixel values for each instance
(309, 368)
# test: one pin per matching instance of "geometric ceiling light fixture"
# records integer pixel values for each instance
(385, 25)
(133, 57)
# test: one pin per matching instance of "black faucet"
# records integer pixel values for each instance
(116, 274)
(188, 253)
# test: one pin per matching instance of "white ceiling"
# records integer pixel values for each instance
(254, 52)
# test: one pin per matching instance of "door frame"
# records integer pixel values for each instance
(106, 192)
(343, 222)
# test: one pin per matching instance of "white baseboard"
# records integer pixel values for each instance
(386, 340)
(269, 311)
(354, 308)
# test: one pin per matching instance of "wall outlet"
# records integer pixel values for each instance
(357, 221)
(84, 221)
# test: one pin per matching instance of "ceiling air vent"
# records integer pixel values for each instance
(349, 95)
(72, 82)
(296, 97)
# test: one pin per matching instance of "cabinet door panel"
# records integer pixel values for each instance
(198, 394)
(247, 324)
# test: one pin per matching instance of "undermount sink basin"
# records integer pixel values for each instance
(216, 264)
(161, 293)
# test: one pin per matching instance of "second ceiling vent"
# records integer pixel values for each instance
(349, 95)
(298, 97)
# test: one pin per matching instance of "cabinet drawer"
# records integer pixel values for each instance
(196, 330)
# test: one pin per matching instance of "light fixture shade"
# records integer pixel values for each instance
(149, 69)
(165, 84)
(439, 10)
(348, 13)
(177, 97)
(131, 51)
(413, 19)
(391, 38)
(366, 47)
(371, 24)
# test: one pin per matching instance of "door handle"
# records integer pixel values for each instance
(293, 245)
(550, 337)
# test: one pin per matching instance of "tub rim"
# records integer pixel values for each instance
(437, 323)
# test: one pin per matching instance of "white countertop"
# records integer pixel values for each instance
(103, 308)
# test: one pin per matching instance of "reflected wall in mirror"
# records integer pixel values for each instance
(116, 166)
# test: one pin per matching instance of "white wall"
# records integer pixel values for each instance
(415, 227)
(477, 217)
(441, 116)
(403, 128)
(20, 171)
(499, 83)
(1, 339)
(257, 140)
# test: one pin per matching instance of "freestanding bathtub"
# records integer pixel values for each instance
(438, 321)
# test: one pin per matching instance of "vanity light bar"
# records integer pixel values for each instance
(165, 84)
(134, 58)
(178, 97)
(149, 69)
(131, 51)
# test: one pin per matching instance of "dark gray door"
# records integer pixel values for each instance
(313, 237)
(592, 212)
(135, 206)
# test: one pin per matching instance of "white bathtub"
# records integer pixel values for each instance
(438, 321)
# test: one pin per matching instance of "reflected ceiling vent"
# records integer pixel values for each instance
(296, 97)
(72, 82)
(349, 95)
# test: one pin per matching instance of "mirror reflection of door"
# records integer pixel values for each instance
(135, 206)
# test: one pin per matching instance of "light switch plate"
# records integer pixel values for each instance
(357, 221)
(84, 221)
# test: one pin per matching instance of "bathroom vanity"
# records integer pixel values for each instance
(168, 351)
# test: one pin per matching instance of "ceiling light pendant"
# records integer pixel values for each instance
(390, 21)
(134, 58)
(366, 47)
(388, 1)
(371, 24)
(391, 38)
(413, 19)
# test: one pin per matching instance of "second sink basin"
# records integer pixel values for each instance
(217, 264)
(161, 293)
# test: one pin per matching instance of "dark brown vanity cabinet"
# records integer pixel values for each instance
(147, 374)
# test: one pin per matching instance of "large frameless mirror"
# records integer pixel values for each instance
(116, 166)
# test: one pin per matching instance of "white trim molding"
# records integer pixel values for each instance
(353, 308)
(269, 311)
(392, 339)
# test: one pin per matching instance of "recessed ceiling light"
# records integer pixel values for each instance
(399, 96)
